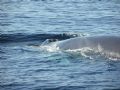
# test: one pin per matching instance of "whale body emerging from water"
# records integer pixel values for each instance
(106, 44)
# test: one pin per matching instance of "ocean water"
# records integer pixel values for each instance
(26, 24)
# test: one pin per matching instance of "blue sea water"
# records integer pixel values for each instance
(26, 24)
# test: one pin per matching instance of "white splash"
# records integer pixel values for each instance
(52, 47)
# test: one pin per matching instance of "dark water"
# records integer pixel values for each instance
(25, 24)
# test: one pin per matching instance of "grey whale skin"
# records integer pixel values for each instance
(100, 43)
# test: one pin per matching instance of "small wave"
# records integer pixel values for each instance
(61, 88)
(7, 38)
(92, 54)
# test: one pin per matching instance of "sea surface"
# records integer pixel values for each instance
(26, 24)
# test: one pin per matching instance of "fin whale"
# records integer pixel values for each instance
(109, 44)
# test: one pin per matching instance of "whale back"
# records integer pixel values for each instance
(73, 43)
(109, 43)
